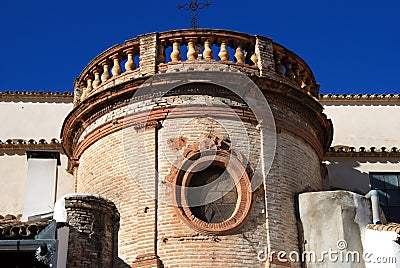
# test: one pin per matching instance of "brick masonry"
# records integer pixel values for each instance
(122, 165)
(93, 223)
(128, 164)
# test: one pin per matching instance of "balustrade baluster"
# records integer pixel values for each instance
(116, 69)
(176, 54)
(297, 77)
(106, 72)
(254, 59)
(223, 52)
(130, 64)
(208, 54)
(96, 81)
(307, 86)
(239, 56)
(279, 69)
(88, 89)
(89, 85)
(289, 72)
(191, 54)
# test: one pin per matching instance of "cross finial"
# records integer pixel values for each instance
(194, 7)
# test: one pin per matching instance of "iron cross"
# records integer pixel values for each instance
(194, 7)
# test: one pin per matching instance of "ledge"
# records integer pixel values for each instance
(347, 151)
(359, 97)
(12, 145)
(37, 95)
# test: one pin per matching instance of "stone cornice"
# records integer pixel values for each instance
(359, 98)
(37, 95)
(347, 151)
(18, 145)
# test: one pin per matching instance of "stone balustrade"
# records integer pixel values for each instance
(105, 66)
(293, 68)
(214, 46)
(154, 53)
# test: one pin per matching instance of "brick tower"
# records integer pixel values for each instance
(203, 154)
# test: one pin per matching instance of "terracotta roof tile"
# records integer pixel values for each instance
(360, 97)
(39, 95)
(21, 144)
(342, 150)
(12, 228)
(393, 227)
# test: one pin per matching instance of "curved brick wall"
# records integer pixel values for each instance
(93, 230)
(115, 148)
(149, 228)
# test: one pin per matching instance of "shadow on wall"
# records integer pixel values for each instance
(352, 174)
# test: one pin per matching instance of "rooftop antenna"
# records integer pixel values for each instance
(194, 7)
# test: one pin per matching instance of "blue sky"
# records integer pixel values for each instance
(352, 46)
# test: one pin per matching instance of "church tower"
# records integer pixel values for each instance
(202, 139)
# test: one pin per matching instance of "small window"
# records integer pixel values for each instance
(217, 191)
(388, 187)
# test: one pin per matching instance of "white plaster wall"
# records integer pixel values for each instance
(32, 120)
(380, 250)
(375, 124)
(28, 120)
(352, 174)
(14, 170)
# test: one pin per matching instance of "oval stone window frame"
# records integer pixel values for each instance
(238, 173)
